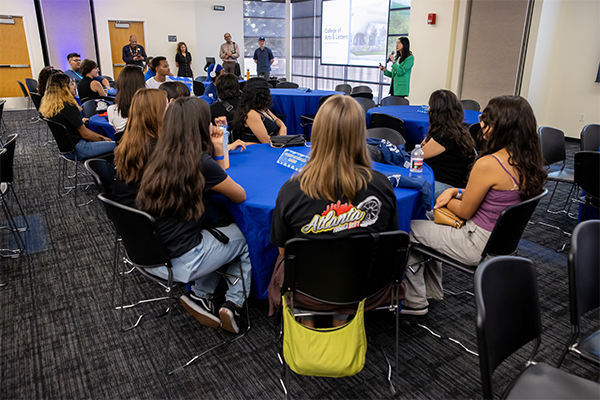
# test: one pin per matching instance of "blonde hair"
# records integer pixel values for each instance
(56, 95)
(339, 162)
(144, 124)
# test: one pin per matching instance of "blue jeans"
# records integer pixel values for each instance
(87, 149)
(200, 263)
(439, 188)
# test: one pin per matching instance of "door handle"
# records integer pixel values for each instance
(14, 66)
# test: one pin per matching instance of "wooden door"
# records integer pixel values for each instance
(14, 58)
(119, 37)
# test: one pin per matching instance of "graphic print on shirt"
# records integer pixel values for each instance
(340, 217)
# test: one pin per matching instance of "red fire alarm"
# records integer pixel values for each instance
(431, 19)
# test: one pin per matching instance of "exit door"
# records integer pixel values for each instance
(14, 57)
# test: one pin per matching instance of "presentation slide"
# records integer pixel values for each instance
(354, 32)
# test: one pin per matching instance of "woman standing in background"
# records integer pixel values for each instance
(183, 60)
(402, 65)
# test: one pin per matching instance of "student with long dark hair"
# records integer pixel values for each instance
(449, 147)
(253, 121)
(402, 64)
(337, 180)
(508, 171)
(185, 168)
(59, 105)
(138, 143)
(130, 80)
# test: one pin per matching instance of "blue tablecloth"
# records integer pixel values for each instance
(293, 103)
(102, 126)
(416, 124)
(257, 171)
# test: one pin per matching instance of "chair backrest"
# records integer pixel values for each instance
(103, 174)
(395, 101)
(379, 120)
(590, 137)
(32, 85)
(139, 233)
(109, 99)
(23, 89)
(9, 157)
(552, 143)
(37, 100)
(344, 271)
(61, 135)
(366, 104)
(2, 154)
(508, 312)
(88, 109)
(362, 88)
(470, 105)
(587, 172)
(386, 133)
(343, 87)
(108, 78)
(2, 103)
(584, 269)
(507, 232)
(287, 85)
(323, 100)
(198, 88)
(366, 95)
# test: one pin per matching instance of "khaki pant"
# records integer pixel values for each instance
(464, 245)
(229, 67)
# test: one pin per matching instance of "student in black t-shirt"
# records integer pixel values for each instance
(89, 86)
(253, 121)
(335, 195)
(185, 168)
(139, 141)
(59, 105)
(449, 147)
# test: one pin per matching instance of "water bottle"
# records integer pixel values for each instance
(226, 145)
(247, 74)
(416, 159)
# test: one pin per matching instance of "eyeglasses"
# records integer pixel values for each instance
(76, 60)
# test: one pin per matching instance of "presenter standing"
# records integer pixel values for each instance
(229, 53)
(183, 61)
(402, 65)
(133, 53)
(263, 57)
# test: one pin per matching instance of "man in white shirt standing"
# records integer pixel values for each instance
(229, 53)
(161, 67)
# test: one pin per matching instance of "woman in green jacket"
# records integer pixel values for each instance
(402, 65)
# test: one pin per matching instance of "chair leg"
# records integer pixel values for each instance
(12, 226)
(572, 339)
(20, 208)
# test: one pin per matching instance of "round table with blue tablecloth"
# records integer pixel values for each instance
(416, 123)
(257, 171)
(101, 125)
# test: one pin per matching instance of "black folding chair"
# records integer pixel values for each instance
(32, 85)
(365, 103)
(590, 137)
(470, 105)
(363, 95)
(307, 120)
(508, 317)
(8, 176)
(379, 120)
(552, 144)
(342, 272)
(10, 222)
(395, 101)
(145, 250)
(287, 85)
(584, 289)
(198, 88)
(389, 134)
(343, 87)
(361, 89)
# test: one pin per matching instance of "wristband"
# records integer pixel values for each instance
(459, 195)
(219, 158)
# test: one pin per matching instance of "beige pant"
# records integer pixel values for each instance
(229, 67)
(464, 245)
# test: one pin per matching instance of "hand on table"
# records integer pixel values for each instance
(237, 145)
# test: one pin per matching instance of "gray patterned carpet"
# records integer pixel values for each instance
(60, 336)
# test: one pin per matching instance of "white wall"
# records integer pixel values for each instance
(563, 63)
(437, 48)
(26, 9)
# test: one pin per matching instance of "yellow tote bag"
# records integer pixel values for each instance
(330, 352)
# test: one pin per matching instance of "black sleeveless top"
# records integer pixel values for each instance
(270, 126)
(84, 90)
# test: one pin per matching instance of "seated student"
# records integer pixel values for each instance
(449, 147)
(253, 120)
(75, 71)
(210, 93)
(175, 90)
(161, 67)
(228, 90)
(150, 72)
(139, 140)
(129, 81)
(88, 86)
(59, 105)
(43, 78)
(182, 173)
(508, 171)
(338, 172)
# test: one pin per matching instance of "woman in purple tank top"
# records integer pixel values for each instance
(508, 171)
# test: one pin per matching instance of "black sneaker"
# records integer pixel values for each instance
(229, 317)
(202, 309)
